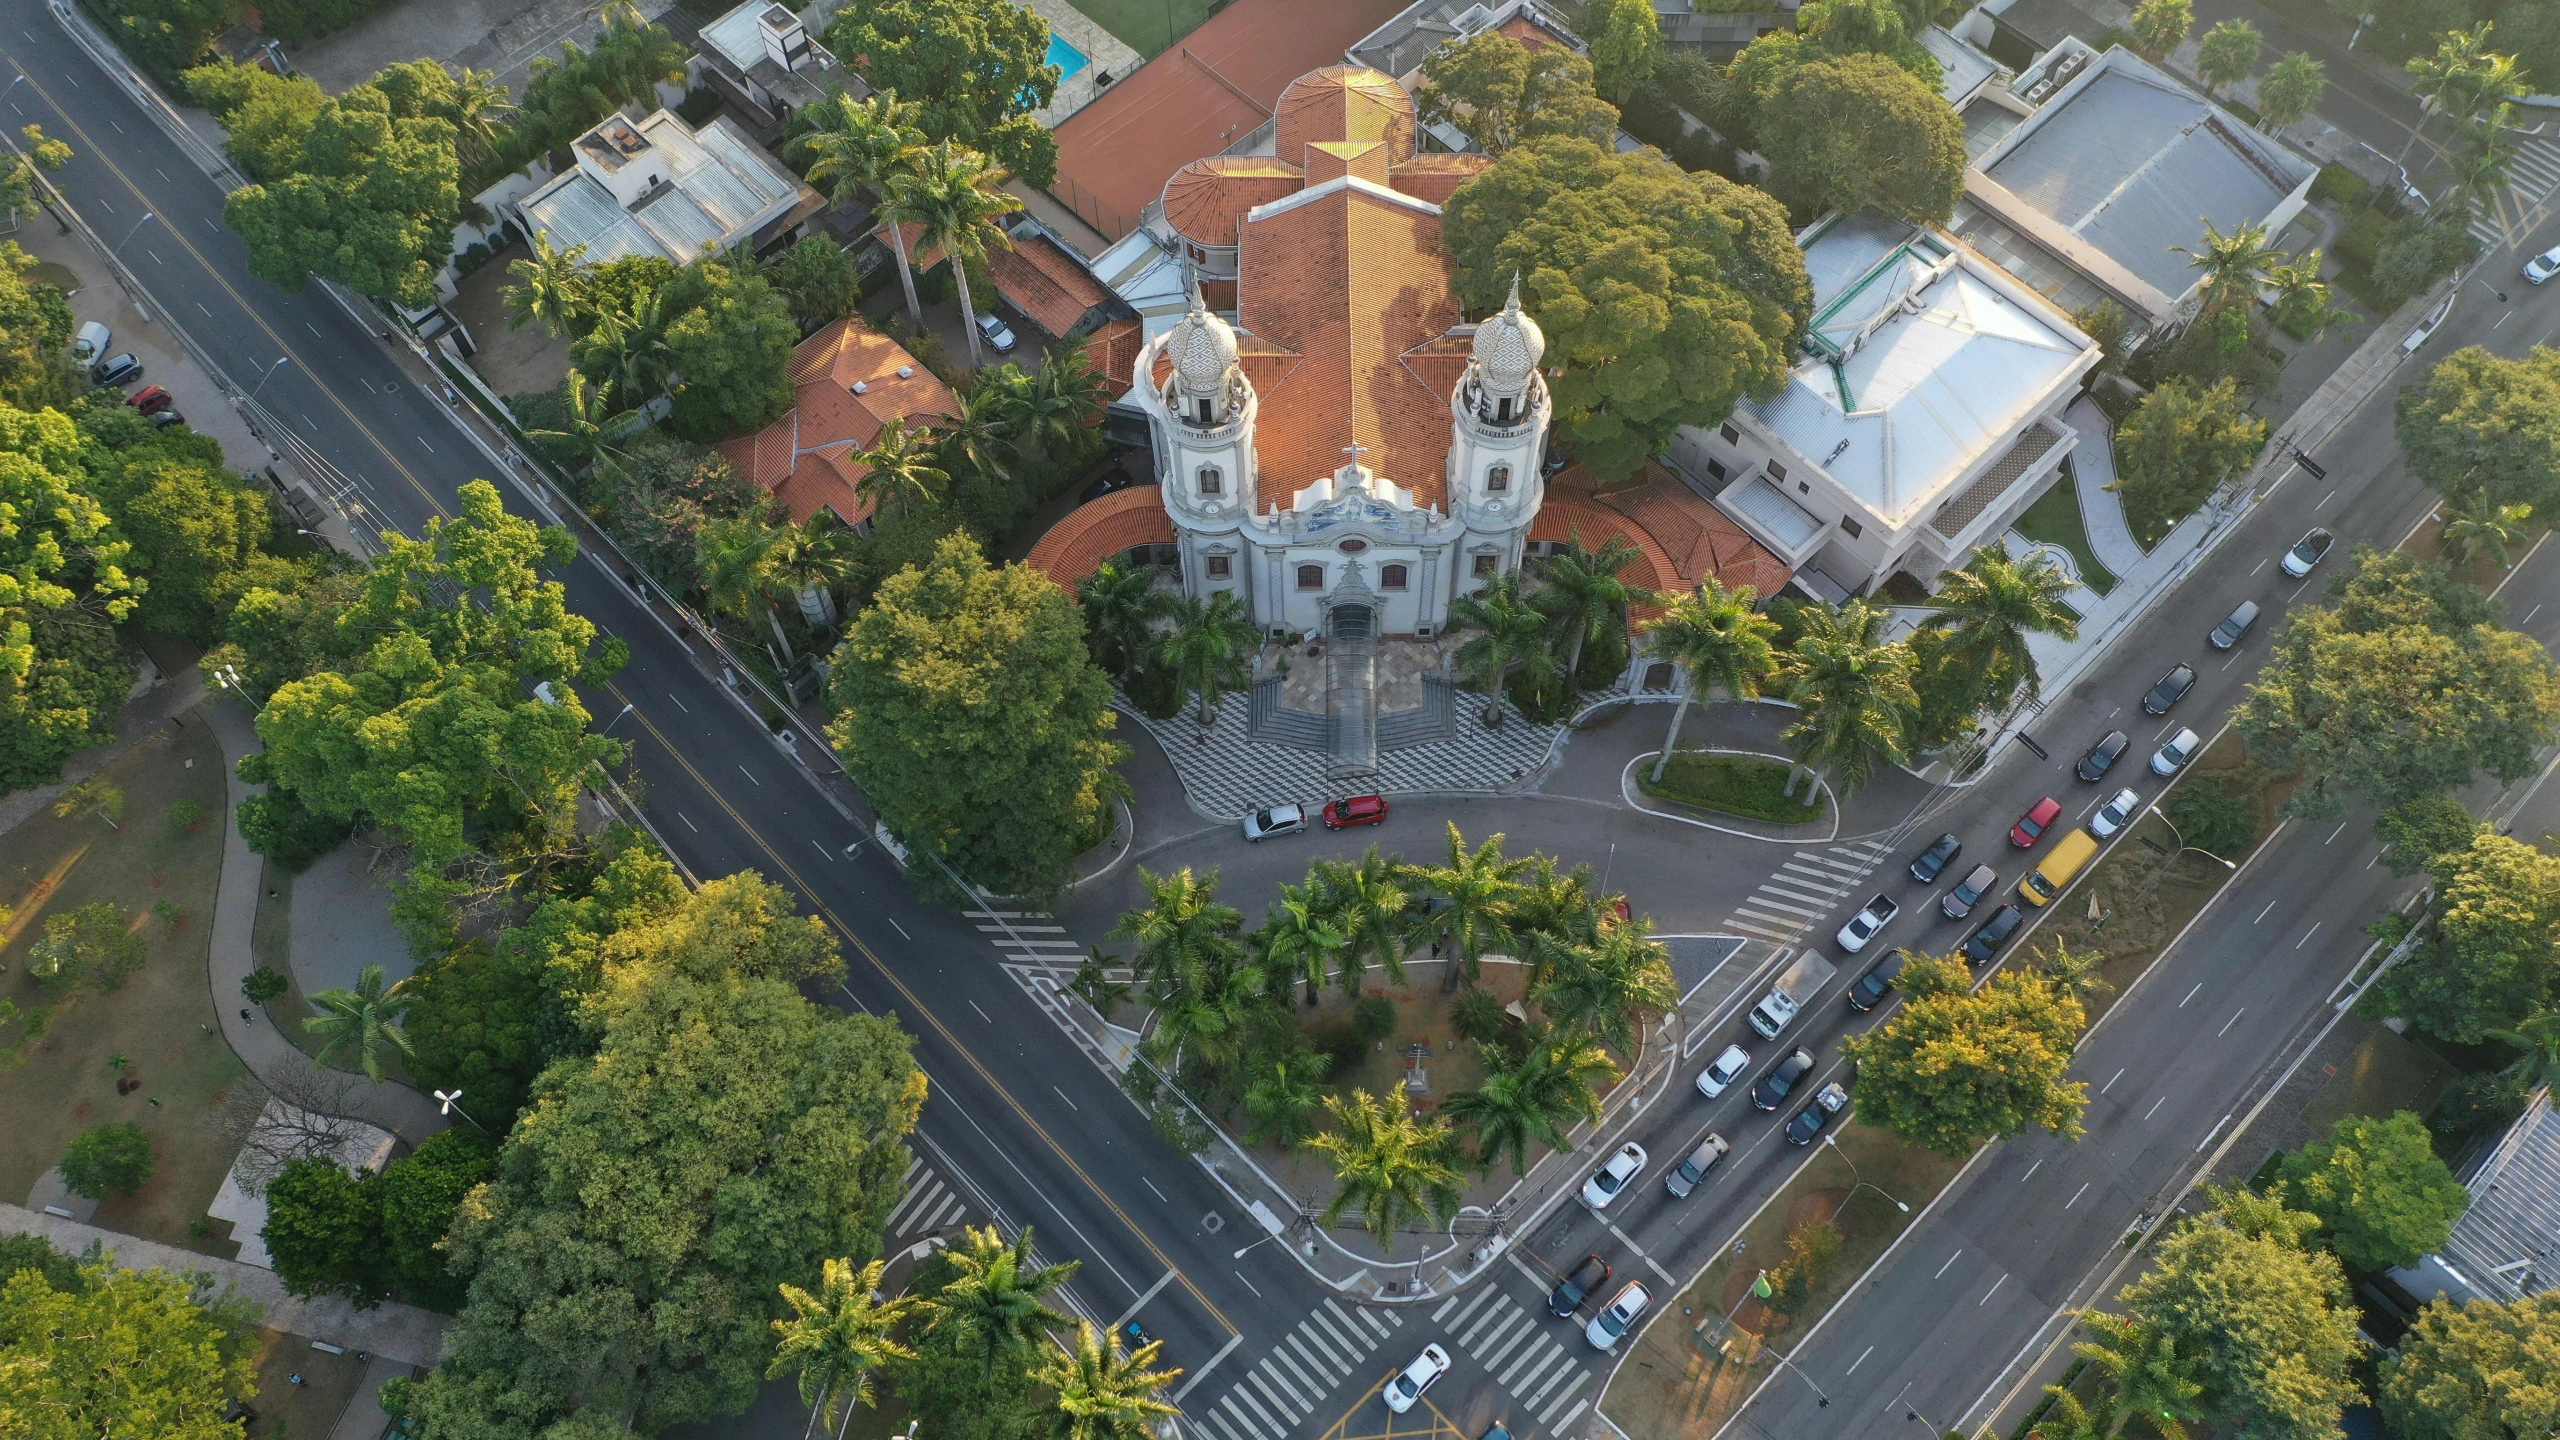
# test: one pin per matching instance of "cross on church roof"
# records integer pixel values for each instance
(1355, 450)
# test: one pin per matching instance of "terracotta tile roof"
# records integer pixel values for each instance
(1092, 533)
(1343, 102)
(1113, 349)
(1697, 539)
(1528, 32)
(1046, 284)
(1205, 200)
(1564, 516)
(802, 457)
(1437, 177)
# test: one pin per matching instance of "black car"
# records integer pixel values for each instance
(1114, 479)
(1772, 1090)
(1575, 1288)
(2102, 756)
(1935, 858)
(1995, 932)
(117, 370)
(2173, 687)
(2233, 626)
(1808, 1122)
(1877, 983)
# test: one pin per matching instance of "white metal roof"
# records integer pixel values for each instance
(721, 189)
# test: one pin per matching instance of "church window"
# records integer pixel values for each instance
(1208, 411)
(1487, 566)
(1310, 577)
(1502, 411)
(1211, 482)
(1218, 567)
(1391, 577)
(1352, 547)
(1498, 478)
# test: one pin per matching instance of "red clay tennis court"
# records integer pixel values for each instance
(1216, 85)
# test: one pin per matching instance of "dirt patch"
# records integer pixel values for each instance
(301, 1391)
(160, 1020)
(2385, 1074)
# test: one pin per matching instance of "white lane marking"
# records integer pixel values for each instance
(2190, 995)
(1073, 1106)
(2234, 1020)
(1943, 1269)
(422, 442)
(2262, 915)
(2307, 934)
(2031, 1171)
(2111, 1081)
(1861, 1360)
(688, 822)
(1224, 1351)
(1249, 1285)
(743, 770)
(2334, 834)
(679, 704)
(901, 929)
(824, 853)
(983, 1015)
(1141, 1302)
(1994, 1290)
(2075, 1196)
(1150, 1184)
(2155, 1107)
(2209, 1134)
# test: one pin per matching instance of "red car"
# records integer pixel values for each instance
(1355, 810)
(2031, 828)
(150, 399)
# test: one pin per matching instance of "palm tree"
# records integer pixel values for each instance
(2150, 1378)
(837, 1337)
(1184, 931)
(1392, 1166)
(1990, 607)
(2231, 263)
(590, 427)
(1556, 1081)
(735, 554)
(1585, 592)
(1720, 642)
(1283, 1101)
(861, 145)
(2227, 53)
(1058, 403)
(367, 1017)
(2065, 1418)
(1612, 985)
(2480, 158)
(1297, 942)
(810, 560)
(1368, 903)
(1512, 634)
(981, 435)
(1206, 649)
(2538, 1036)
(2465, 76)
(2486, 525)
(1210, 1012)
(480, 110)
(1855, 693)
(1556, 909)
(998, 1296)
(555, 289)
(1121, 607)
(2304, 303)
(898, 469)
(1102, 1391)
(629, 347)
(1482, 895)
(950, 191)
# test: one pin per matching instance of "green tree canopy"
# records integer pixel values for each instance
(36, 369)
(2179, 445)
(2382, 1196)
(1626, 44)
(1500, 93)
(1954, 1068)
(324, 1232)
(65, 579)
(1859, 130)
(2490, 962)
(112, 1156)
(475, 1025)
(418, 1196)
(975, 68)
(2414, 832)
(1665, 296)
(2479, 421)
(2399, 687)
(2478, 1371)
(729, 334)
(203, 536)
(969, 711)
(122, 1352)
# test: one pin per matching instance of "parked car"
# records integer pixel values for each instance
(2543, 266)
(1773, 1087)
(1995, 932)
(1958, 903)
(1925, 868)
(1862, 927)
(1273, 820)
(1355, 810)
(1576, 1287)
(121, 370)
(1872, 987)
(1684, 1177)
(2031, 826)
(163, 419)
(90, 342)
(1611, 1179)
(2308, 551)
(151, 399)
(997, 334)
(1728, 1067)
(1111, 481)
(1827, 1102)
(2233, 626)
(2173, 687)
(1609, 1324)
(2115, 814)
(2171, 758)
(2102, 757)
(1421, 1375)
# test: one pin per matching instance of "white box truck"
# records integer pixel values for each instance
(1789, 994)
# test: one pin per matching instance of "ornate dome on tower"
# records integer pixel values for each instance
(1201, 346)
(1509, 346)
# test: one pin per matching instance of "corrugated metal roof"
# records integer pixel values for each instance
(721, 189)
(2508, 1242)
(1963, 69)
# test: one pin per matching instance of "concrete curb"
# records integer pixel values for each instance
(1628, 790)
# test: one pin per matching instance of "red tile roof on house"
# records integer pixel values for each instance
(1102, 530)
(1211, 89)
(1046, 284)
(804, 458)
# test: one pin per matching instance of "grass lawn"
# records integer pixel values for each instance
(312, 1407)
(2385, 1074)
(1147, 26)
(160, 1018)
(1743, 785)
(2055, 519)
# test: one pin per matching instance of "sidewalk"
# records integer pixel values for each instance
(168, 699)
(2093, 469)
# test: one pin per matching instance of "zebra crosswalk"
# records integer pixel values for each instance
(1027, 935)
(929, 1205)
(1299, 1373)
(2531, 177)
(1528, 1352)
(1806, 887)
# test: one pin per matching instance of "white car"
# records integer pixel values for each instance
(1611, 1323)
(1728, 1067)
(2543, 266)
(1862, 927)
(1273, 820)
(1417, 1377)
(997, 334)
(1612, 1179)
(2115, 814)
(90, 343)
(2171, 758)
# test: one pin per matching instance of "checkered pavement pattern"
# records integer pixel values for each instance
(1233, 773)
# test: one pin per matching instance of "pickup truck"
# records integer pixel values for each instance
(1862, 927)
(1789, 994)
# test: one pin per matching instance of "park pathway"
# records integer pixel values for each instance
(2093, 469)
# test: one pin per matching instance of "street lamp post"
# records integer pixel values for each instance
(228, 677)
(281, 362)
(617, 718)
(2183, 847)
(1860, 1182)
(147, 217)
(449, 1102)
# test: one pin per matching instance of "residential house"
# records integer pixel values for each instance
(657, 186)
(849, 382)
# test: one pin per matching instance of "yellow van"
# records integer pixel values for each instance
(2047, 879)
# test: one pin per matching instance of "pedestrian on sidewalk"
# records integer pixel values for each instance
(244, 1016)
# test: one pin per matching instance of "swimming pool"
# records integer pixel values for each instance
(1066, 57)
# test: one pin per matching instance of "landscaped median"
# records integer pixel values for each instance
(1732, 783)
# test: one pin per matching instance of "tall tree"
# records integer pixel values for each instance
(1665, 296)
(1121, 606)
(2179, 446)
(899, 474)
(1282, 1103)
(2482, 1370)
(2161, 26)
(2486, 525)
(1853, 692)
(69, 579)
(968, 710)
(1720, 641)
(2233, 263)
(553, 288)
(1500, 93)
(2481, 422)
(591, 432)
(1846, 132)
(998, 1294)
(2465, 78)
(1991, 605)
(1370, 904)
(729, 337)
(1626, 43)
(2227, 53)
(819, 280)
(1588, 594)
(2491, 961)
(837, 1337)
(1482, 889)
(370, 200)
(1612, 985)
(1205, 647)
(366, 1017)
(2152, 1380)
(1103, 1392)
(951, 195)
(2291, 90)
(859, 145)
(1535, 1099)
(976, 69)
(1393, 1168)
(324, 1232)
(2482, 151)
(1184, 932)
(123, 1352)
(2382, 1196)
(1508, 633)
(1298, 941)
(1955, 1067)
